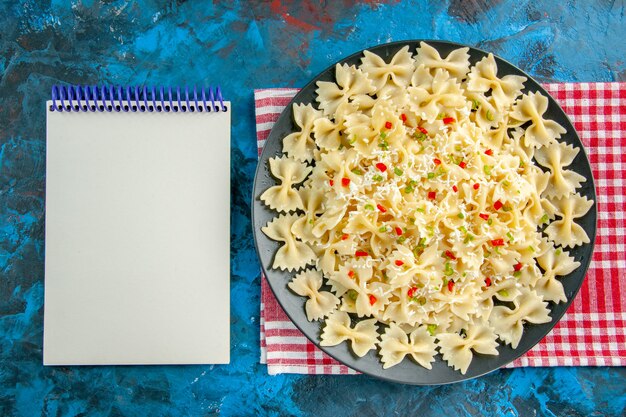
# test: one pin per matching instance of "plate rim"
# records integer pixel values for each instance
(552, 101)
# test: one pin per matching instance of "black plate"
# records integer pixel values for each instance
(408, 371)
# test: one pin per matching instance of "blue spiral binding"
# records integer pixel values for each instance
(161, 99)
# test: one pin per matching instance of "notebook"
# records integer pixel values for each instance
(137, 226)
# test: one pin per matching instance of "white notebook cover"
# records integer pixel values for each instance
(137, 238)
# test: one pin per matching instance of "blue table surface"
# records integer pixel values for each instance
(242, 46)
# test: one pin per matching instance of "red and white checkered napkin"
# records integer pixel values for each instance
(593, 331)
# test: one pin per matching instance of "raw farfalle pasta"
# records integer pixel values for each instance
(320, 303)
(555, 157)
(292, 255)
(350, 83)
(456, 63)
(483, 77)
(554, 262)
(396, 344)
(457, 348)
(541, 132)
(284, 197)
(300, 145)
(363, 336)
(396, 73)
(430, 201)
(508, 323)
(565, 231)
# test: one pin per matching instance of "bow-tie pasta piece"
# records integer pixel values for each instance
(292, 255)
(565, 231)
(483, 77)
(301, 145)
(320, 303)
(445, 92)
(397, 72)
(330, 251)
(363, 337)
(541, 132)
(555, 262)
(283, 197)
(312, 202)
(555, 157)
(396, 344)
(371, 134)
(358, 281)
(457, 350)
(538, 210)
(509, 323)
(456, 63)
(328, 132)
(350, 83)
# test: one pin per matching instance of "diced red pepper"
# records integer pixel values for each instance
(432, 195)
(497, 242)
(455, 188)
(361, 253)
(372, 300)
(450, 255)
(437, 161)
(518, 266)
(381, 167)
(489, 152)
(497, 205)
(448, 120)
(331, 182)
(381, 208)
(450, 285)
(484, 216)
(398, 231)
(462, 164)
(345, 182)
(488, 282)
(421, 129)
(388, 125)
(411, 292)
(403, 117)
(351, 274)
(476, 186)
(344, 237)
(399, 263)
